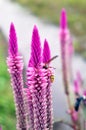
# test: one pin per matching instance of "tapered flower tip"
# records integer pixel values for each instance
(35, 58)
(63, 19)
(46, 52)
(13, 47)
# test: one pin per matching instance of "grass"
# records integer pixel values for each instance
(7, 112)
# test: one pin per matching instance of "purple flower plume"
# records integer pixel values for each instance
(46, 58)
(63, 40)
(15, 65)
(13, 46)
(37, 83)
(63, 19)
(35, 59)
(46, 52)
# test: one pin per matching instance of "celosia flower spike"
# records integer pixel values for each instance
(46, 58)
(46, 52)
(35, 59)
(63, 19)
(13, 46)
(37, 83)
(63, 41)
(15, 65)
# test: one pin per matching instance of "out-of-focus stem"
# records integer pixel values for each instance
(64, 34)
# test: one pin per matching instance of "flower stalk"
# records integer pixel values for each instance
(70, 50)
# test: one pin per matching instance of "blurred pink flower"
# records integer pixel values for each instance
(84, 92)
(76, 87)
(63, 20)
(64, 32)
(74, 116)
(70, 48)
(79, 78)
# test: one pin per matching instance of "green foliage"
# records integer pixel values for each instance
(7, 112)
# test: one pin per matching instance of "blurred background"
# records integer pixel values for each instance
(45, 14)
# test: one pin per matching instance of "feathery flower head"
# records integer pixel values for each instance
(35, 58)
(50, 77)
(63, 19)
(13, 46)
(46, 52)
(64, 32)
(37, 83)
(15, 65)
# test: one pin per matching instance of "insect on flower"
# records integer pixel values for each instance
(78, 102)
(46, 66)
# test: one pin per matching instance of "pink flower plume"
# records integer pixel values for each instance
(63, 19)
(15, 68)
(64, 33)
(13, 47)
(46, 52)
(35, 59)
